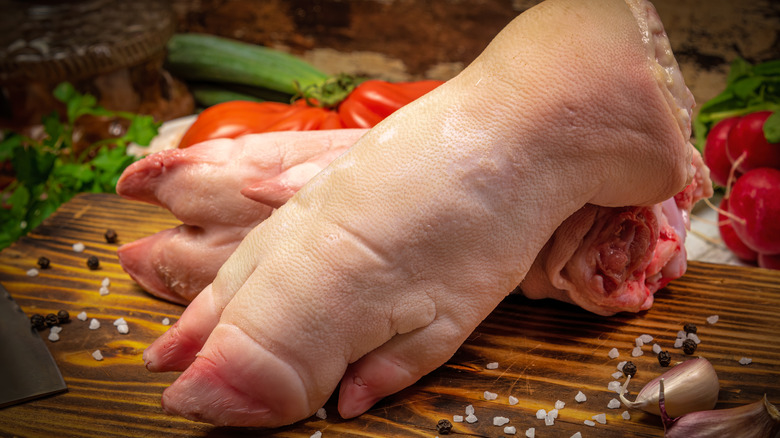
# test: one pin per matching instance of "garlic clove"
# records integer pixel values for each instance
(760, 419)
(690, 386)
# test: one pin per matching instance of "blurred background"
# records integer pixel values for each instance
(115, 49)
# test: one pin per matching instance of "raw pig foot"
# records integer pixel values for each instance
(231, 186)
(377, 270)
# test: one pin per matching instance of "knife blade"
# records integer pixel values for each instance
(27, 368)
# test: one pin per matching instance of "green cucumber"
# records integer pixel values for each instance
(201, 57)
(207, 94)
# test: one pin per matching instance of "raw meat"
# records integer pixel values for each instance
(378, 268)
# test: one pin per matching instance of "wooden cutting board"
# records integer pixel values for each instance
(546, 351)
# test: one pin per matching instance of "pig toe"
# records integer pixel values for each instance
(176, 349)
(397, 364)
(235, 381)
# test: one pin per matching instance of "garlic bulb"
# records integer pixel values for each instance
(690, 386)
(755, 420)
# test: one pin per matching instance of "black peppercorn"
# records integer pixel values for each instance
(629, 369)
(664, 358)
(689, 346)
(63, 316)
(444, 426)
(43, 263)
(51, 320)
(38, 321)
(93, 263)
(111, 236)
(689, 328)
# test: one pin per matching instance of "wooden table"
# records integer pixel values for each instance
(546, 351)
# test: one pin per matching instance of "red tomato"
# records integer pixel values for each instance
(372, 101)
(236, 118)
(368, 104)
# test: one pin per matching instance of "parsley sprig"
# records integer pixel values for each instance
(48, 172)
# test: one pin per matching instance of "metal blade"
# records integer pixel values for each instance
(27, 369)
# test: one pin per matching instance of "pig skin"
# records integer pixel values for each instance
(376, 270)
(177, 264)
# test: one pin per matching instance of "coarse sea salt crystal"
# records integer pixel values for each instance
(678, 342)
(576, 435)
(166, 321)
(636, 352)
(94, 324)
(321, 414)
(613, 404)
(589, 422)
(82, 316)
(513, 400)
(32, 272)
(600, 418)
(469, 409)
(613, 353)
(620, 365)
(549, 420)
(682, 334)
(97, 355)
(656, 348)
(106, 282)
(746, 361)
(530, 432)
(103, 291)
(471, 418)
(639, 342)
(553, 413)
(617, 374)
(492, 365)
(120, 321)
(78, 247)
(55, 329)
(614, 386)
(626, 415)
(490, 395)
(694, 337)
(559, 404)
(580, 397)
(540, 414)
(317, 434)
(457, 418)
(500, 421)
(646, 338)
(712, 319)
(53, 336)
(123, 329)
(510, 430)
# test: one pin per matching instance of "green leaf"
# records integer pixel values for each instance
(9, 145)
(746, 87)
(772, 128)
(32, 167)
(738, 69)
(142, 130)
(769, 68)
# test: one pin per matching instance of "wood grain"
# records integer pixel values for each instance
(546, 351)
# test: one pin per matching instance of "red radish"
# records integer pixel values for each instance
(747, 136)
(755, 201)
(715, 154)
(769, 261)
(729, 236)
